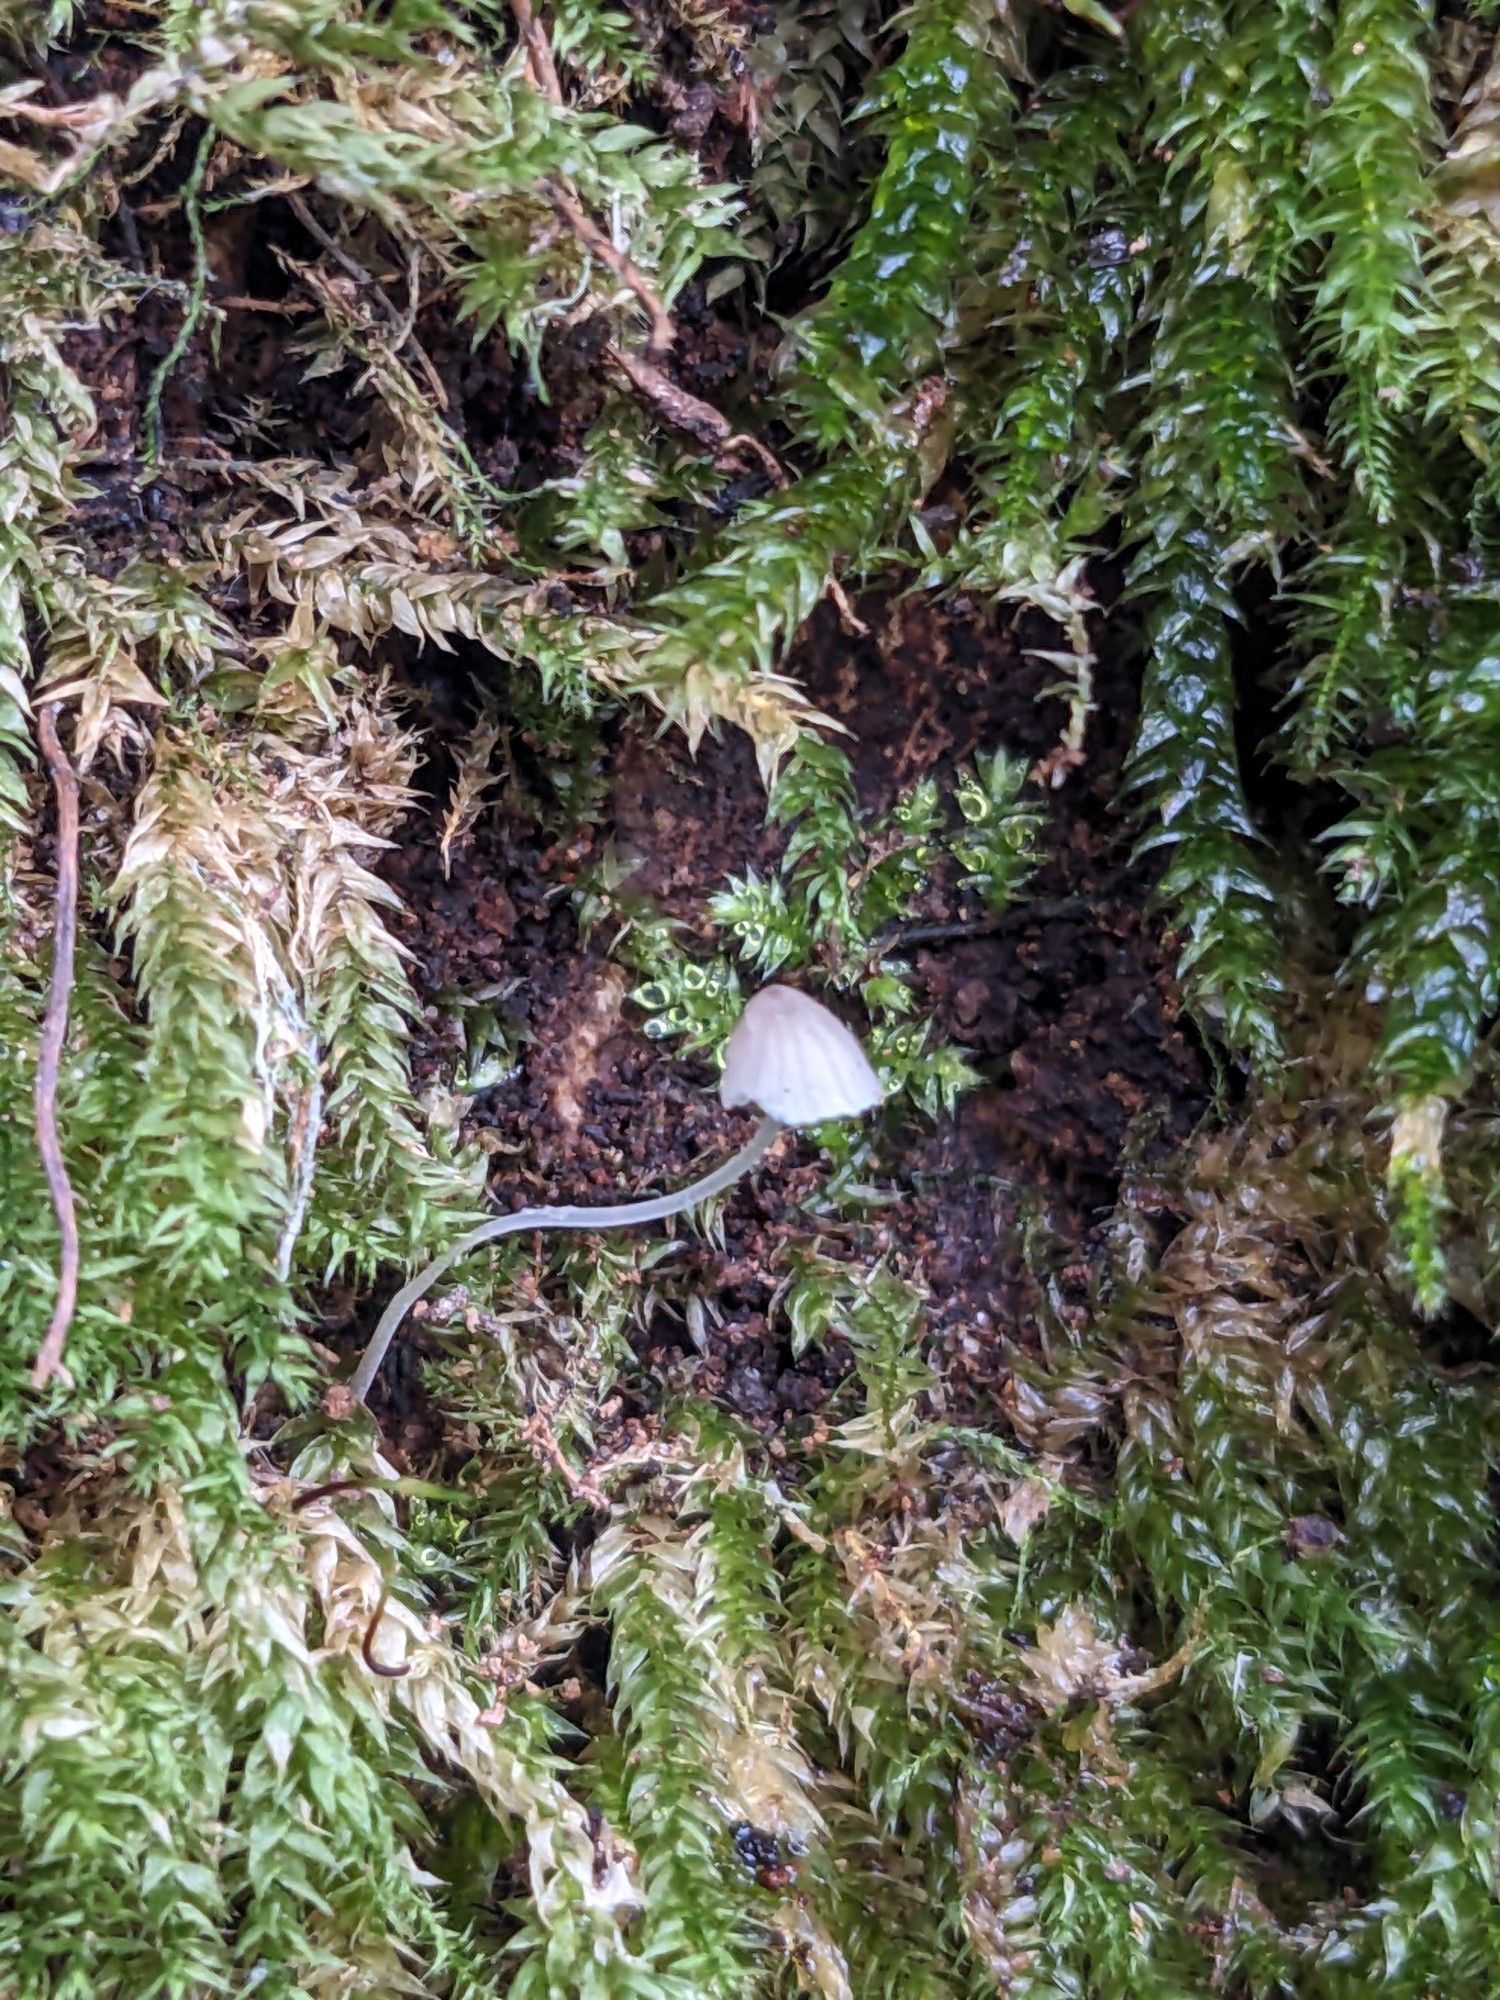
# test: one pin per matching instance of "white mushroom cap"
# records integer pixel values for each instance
(796, 1062)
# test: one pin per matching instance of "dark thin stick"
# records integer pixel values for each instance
(367, 1655)
(49, 1361)
(966, 927)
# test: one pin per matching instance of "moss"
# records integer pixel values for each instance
(1174, 1669)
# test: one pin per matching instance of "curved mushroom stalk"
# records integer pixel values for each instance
(788, 1056)
(623, 1215)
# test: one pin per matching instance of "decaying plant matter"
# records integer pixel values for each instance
(415, 397)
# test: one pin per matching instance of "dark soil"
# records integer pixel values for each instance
(1067, 1007)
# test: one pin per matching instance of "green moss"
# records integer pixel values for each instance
(1171, 1670)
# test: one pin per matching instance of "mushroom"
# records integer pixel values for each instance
(796, 1062)
(788, 1056)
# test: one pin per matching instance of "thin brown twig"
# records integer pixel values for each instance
(618, 262)
(595, 240)
(241, 302)
(690, 415)
(49, 1361)
(350, 266)
(538, 51)
(539, 1434)
(849, 618)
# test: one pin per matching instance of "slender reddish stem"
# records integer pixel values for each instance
(49, 1361)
